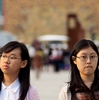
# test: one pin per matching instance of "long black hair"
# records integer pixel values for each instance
(24, 73)
(76, 81)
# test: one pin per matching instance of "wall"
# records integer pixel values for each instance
(31, 18)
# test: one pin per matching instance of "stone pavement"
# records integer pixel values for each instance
(49, 83)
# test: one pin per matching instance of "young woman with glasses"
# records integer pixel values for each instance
(15, 73)
(84, 81)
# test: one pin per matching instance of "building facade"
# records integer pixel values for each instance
(28, 19)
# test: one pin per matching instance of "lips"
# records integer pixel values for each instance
(5, 66)
(89, 67)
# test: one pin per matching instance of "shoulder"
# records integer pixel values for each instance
(32, 88)
(33, 93)
(65, 93)
(65, 88)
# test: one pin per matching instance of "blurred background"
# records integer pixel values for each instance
(49, 28)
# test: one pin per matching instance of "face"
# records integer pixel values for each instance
(10, 63)
(87, 66)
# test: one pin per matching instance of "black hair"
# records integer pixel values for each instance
(24, 73)
(76, 81)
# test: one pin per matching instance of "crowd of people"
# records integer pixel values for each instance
(15, 71)
(44, 56)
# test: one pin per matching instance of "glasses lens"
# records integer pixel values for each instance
(84, 58)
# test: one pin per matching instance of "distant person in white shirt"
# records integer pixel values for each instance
(15, 73)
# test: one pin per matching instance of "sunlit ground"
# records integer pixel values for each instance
(49, 83)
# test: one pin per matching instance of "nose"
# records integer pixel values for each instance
(7, 60)
(88, 59)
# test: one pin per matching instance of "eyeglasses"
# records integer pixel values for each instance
(3, 57)
(85, 58)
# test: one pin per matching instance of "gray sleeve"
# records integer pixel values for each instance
(64, 93)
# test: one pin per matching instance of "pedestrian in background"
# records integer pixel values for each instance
(84, 81)
(38, 61)
(15, 73)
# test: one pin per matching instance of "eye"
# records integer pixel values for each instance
(83, 57)
(92, 57)
(4, 56)
(12, 57)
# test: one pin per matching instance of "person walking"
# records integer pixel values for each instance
(37, 63)
(84, 81)
(15, 73)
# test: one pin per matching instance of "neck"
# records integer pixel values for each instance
(87, 79)
(8, 80)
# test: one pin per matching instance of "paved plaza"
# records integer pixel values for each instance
(49, 83)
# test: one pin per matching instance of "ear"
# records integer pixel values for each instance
(74, 59)
(24, 63)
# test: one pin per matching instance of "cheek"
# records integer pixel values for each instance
(80, 66)
(15, 67)
(95, 64)
(16, 64)
(0, 64)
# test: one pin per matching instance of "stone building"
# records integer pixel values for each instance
(28, 19)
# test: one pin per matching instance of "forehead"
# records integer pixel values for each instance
(88, 50)
(16, 51)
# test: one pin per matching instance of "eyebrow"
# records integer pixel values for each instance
(90, 53)
(10, 54)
